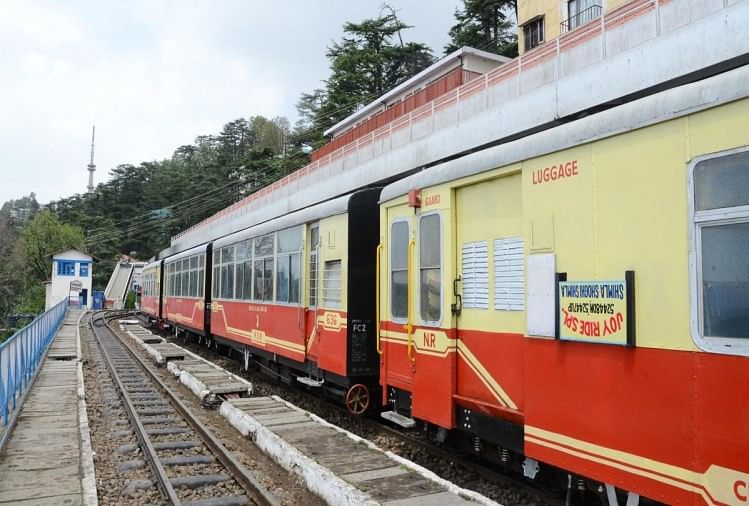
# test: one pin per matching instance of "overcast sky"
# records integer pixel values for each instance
(153, 75)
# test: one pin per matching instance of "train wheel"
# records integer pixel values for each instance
(357, 399)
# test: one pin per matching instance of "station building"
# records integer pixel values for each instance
(72, 275)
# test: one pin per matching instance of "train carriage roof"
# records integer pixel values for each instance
(187, 253)
(313, 213)
(151, 265)
(670, 104)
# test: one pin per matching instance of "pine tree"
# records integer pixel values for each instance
(370, 60)
(485, 25)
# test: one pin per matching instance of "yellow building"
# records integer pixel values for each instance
(543, 20)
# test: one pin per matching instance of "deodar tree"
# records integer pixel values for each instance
(371, 59)
(485, 25)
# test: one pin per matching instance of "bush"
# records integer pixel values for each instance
(130, 300)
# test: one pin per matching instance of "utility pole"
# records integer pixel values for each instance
(91, 166)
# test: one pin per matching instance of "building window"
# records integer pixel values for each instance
(580, 12)
(430, 268)
(399, 270)
(533, 33)
(720, 240)
(331, 290)
(84, 270)
(65, 268)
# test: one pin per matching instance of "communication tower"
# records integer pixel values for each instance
(91, 166)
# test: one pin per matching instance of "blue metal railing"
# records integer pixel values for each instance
(21, 354)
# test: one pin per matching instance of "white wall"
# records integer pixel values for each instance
(60, 286)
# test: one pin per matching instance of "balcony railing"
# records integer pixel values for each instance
(582, 17)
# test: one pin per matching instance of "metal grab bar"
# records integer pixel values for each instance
(377, 297)
(409, 321)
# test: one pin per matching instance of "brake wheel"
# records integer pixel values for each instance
(357, 399)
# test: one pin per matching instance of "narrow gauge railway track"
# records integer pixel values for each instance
(467, 462)
(183, 454)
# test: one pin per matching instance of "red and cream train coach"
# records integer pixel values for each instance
(578, 299)
(184, 285)
(150, 301)
(296, 295)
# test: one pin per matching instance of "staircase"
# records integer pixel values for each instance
(116, 290)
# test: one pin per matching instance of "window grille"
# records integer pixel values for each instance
(509, 274)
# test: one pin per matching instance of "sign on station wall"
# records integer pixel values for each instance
(597, 311)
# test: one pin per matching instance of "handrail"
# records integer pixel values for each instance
(377, 297)
(21, 355)
(582, 17)
(409, 317)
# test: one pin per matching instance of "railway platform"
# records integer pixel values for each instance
(337, 466)
(48, 456)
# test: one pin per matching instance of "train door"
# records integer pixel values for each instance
(432, 341)
(312, 327)
(396, 366)
(489, 263)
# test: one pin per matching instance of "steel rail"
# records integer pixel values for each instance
(480, 469)
(158, 469)
(247, 481)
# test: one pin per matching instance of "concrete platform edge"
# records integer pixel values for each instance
(318, 479)
(426, 473)
(190, 381)
(88, 481)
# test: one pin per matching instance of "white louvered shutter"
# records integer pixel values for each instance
(475, 275)
(509, 279)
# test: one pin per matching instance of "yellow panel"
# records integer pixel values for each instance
(557, 201)
(719, 129)
(486, 211)
(602, 208)
(642, 224)
(334, 238)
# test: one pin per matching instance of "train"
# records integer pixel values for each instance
(571, 304)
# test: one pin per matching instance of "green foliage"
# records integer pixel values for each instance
(370, 60)
(31, 298)
(130, 300)
(21, 210)
(485, 25)
(11, 263)
(142, 206)
(44, 236)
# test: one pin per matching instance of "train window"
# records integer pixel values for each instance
(430, 268)
(509, 274)
(243, 288)
(263, 271)
(287, 261)
(216, 281)
(720, 238)
(475, 275)
(296, 279)
(331, 285)
(314, 233)
(264, 245)
(399, 270)
(282, 278)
